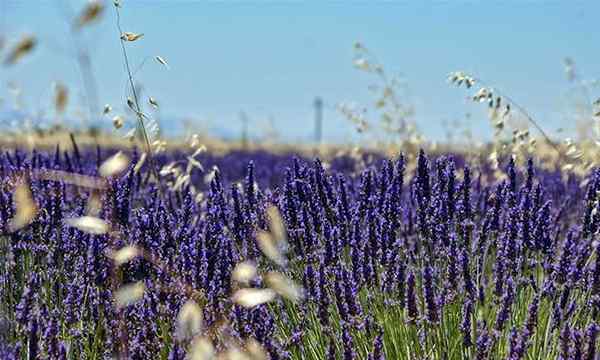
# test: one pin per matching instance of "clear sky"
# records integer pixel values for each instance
(270, 59)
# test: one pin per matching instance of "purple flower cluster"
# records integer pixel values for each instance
(388, 261)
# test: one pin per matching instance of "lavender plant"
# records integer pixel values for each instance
(438, 265)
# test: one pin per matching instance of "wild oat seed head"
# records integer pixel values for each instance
(89, 224)
(249, 297)
(129, 294)
(114, 165)
(189, 320)
(130, 36)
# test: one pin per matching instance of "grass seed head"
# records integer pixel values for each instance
(129, 294)
(117, 122)
(250, 298)
(114, 165)
(89, 224)
(244, 272)
(125, 255)
(25, 206)
(22, 48)
(284, 286)
(130, 36)
(268, 245)
(90, 14)
(189, 320)
(256, 350)
(61, 98)
(201, 349)
(152, 101)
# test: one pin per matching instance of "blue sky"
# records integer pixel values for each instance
(270, 59)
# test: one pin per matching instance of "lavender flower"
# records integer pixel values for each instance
(411, 298)
(465, 326)
(429, 295)
(349, 352)
(591, 335)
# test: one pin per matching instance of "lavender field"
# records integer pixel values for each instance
(186, 180)
(379, 262)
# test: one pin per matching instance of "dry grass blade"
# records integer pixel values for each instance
(22, 48)
(201, 349)
(89, 224)
(244, 272)
(129, 294)
(25, 206)
(284, 286)
(193, 163)
(253, 297)
(189, 320)
(61, 98)
(91, 13)
(114, 165)
(71, 178)
(125, 255)
(130, 36)
(140, 163)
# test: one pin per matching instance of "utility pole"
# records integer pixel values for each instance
(318, 104)
(244, 120)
